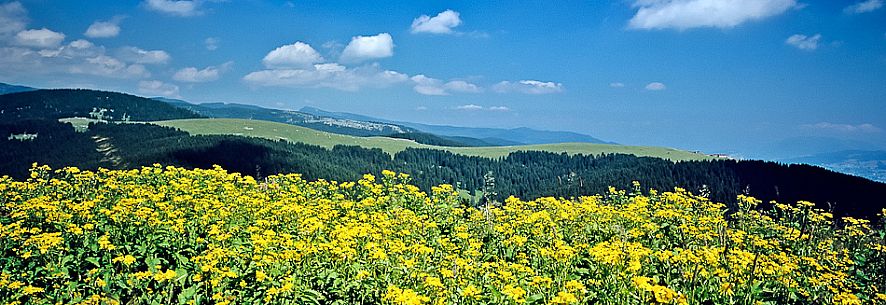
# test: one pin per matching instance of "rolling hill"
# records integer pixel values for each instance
(280, 131)
(9, 88)
(54, 104)
(339, 125)
(329, 124)
(493, 135)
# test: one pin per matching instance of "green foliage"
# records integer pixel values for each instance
(66, 103)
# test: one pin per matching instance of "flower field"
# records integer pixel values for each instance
(166, 235)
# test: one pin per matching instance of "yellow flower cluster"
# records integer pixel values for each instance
(172, 235)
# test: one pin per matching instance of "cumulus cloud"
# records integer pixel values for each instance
(499, 108)
(42, 52)
(443, 23)
(181, 8)
(158, 88)
(528, 87)
(104, 29)
(211, 43)
(363, 48)
(864, 7)
(462, 86)
(107, 66)
(139, 56)
(803, 42)
(828, 126)
(616, 85)
(329, 75)
(432, 86)
(13, 18)
(296, 55)
(428, 86)
(687, 14)
(42, 38)
(79, 57)
(656, 86)
(194, 75)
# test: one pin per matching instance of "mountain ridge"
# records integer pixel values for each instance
(522, 135)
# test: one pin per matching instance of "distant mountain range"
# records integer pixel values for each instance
(328, 124)
(868, 164)
(515, 136)
(7, 88)
(360, 125)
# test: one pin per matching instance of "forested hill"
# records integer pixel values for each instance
(8, 88)
(53, 104)
(522, 174)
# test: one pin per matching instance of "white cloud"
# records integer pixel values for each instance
(211, 43)
(428, 86)
(107, 66)
(194, 75)
(42, 38)
(432, 86)
(864, 7)
(616, 85)
(104, 29)
(330, 75)
(421, 108)
(867, 128)
(443, 23)
(368, 47)
(139, 56)
(803, 42)
(687, 14)
(462, 86)
(296, 55)
(469, 107)
(157, 88)
(656, 86)
(473, 107)
(182, 8)
(528, 87)
(42, 52)
(79, 57)
(13, 18)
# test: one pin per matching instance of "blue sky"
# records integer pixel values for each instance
(718, 76)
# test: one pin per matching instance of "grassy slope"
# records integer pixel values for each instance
(272, 130)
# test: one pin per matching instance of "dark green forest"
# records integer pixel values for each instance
(522, 174)
(55, 104)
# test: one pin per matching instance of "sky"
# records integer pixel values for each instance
(712, 75)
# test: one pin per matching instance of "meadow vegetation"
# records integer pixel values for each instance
(165, 235)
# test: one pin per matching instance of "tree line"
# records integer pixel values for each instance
(525, 174)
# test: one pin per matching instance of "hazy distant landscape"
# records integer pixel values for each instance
(427, 153)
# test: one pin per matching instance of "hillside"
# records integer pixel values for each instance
(9, 88)
(492, 135)
(316, 122)
(278, 131)
(864, 163)
(55, 104)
